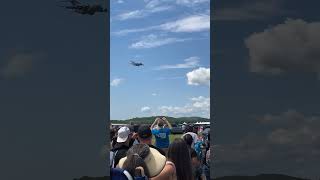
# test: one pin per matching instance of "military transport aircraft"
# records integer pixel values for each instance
(136, 63)
(80, 8)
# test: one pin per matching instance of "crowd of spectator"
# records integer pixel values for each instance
(134, 156)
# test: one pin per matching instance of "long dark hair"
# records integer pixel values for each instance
(135, 158)
(180, 156)
(188, 139)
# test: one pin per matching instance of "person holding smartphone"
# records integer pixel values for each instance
(161, 129)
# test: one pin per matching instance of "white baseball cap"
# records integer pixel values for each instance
(123, 134)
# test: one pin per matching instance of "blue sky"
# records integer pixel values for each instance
(172, 39)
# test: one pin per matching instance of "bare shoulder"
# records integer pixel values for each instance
(169, 167)
(167, 173)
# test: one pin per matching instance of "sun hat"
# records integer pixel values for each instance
(123, 134)
(155, 162)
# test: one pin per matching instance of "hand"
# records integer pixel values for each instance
(164, 118)
(135, 135)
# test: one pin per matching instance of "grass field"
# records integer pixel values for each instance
(171, 137)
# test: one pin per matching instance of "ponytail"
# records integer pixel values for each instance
(135, 158)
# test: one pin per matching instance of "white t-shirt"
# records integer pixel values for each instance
(194, 137)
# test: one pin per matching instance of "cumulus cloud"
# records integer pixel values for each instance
(193, 23)
(201, 102)
(145, 109)
(154, 94)
(152, 41)
(288, 141)
(19, 64)
(116, 82)
(190, 62)
(198, 106)
(291, 46)
(200, 76)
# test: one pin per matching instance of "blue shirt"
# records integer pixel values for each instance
(162, 137)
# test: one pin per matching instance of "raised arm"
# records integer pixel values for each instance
(154, 123)
(167, 122)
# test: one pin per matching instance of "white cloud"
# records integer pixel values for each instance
(175, 109)
(129, 31)
(190, 62)
(116, 82)
(136, 14)
(154, 94)
(153, 6)
(145, 109)
(291, 46)
(199, 106)
(191, 2)
(152, 41)
(131, 15)
(153, 3)
(159, 9)
(200, 76)
(193, 23)
(201, 102)
(120, 1)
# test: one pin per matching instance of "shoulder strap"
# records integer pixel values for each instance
(127, 174)
(113, 157)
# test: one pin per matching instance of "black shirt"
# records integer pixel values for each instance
(121, 152)
(160, 150)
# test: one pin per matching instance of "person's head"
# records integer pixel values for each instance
(144, 134)
(188, 129)
(142, 155)
(123, 135)
(135, 158)
(160, 122)
(195, 129)
(179, 155)
(188, 139)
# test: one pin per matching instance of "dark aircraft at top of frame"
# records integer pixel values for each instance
(85, 9)
(136, 63)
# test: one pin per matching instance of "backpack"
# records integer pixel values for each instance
(112, 157)
(120, 174)
(197, 148)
